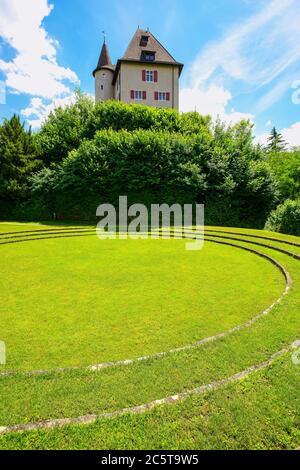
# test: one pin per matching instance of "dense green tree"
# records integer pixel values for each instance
(94, 153)
(118, 115)
(193, 123)
(155, 167)
(17, 159)
(285, 167)
(64, 130)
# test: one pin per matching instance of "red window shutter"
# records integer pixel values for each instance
(168, 96)
(132, 94)
(156, 96)
(155, 75)
(144, 95)
(144, 75)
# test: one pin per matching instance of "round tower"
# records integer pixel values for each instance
(103, 75)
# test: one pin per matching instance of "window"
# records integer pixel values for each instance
(138, 95)
(148, 56)
(144, 41)
(162, 96)
(149, 76)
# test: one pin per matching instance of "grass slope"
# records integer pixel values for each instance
(259, 412)
(262, 412)
(80, 301)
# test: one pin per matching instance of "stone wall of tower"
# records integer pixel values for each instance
(104, 89)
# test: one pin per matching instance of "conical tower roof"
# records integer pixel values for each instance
(104, 61)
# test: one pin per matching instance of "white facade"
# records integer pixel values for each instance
(147, 74)
(104, 89)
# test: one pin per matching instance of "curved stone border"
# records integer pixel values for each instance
(97, 367)
(57, 229)
(23, 240)
(21, 236)
(287, 242)
(90, 419)
(251, 242)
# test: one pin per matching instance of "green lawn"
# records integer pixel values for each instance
(78, 301)
(261, 412)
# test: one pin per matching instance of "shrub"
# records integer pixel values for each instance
(66, 128)
(95, 153)
(286, 218)
(285, 166)
(159, 167)
(117, 115)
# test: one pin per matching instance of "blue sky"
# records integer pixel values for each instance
(242, 57)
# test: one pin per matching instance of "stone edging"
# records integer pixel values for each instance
(98, 367)
(90, 419)
(272, 239)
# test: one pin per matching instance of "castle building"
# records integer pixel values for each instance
(146, 74)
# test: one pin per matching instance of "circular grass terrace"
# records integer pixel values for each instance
(167, 298)
(72, 302)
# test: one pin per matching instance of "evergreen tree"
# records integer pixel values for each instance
(17, 158)
(276, 142)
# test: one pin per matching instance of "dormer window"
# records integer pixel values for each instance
(148, 56)
(144, 41)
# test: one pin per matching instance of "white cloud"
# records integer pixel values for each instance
(262, 139)
(256, 52)
(39, 109)
(34, 70)
(240, 53)
(213, 101)
(272, 96)
(292, 134)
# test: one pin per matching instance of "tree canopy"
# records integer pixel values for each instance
(18, 159)
(86, 154)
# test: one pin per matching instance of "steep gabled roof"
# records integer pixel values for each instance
(104, 60)
(135, 48)
(143, 42)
